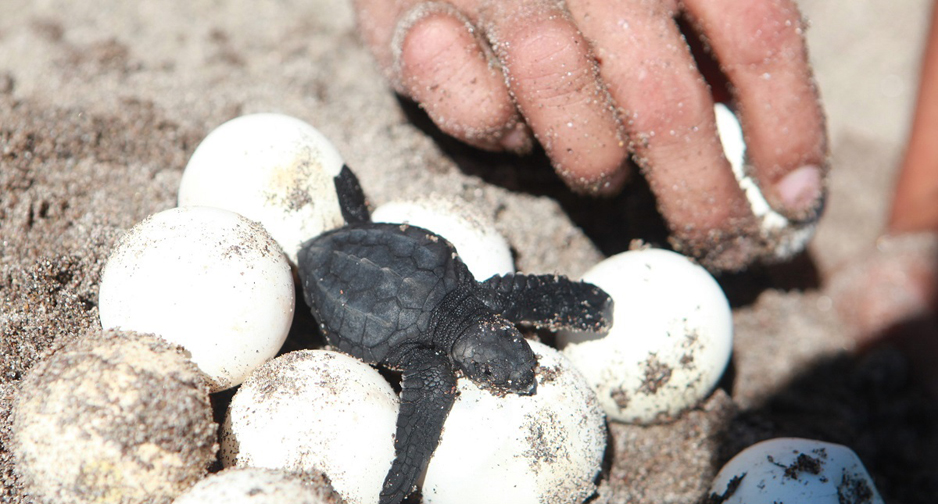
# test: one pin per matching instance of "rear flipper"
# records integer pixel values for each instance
(428, 390)
(551, 301)
(351, 197)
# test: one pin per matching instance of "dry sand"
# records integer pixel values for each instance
(102, 103)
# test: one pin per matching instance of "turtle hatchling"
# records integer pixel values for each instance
(399, 296)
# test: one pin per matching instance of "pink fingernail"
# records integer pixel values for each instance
(801, 189)
(517, 139)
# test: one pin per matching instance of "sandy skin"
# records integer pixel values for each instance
(597, 82)
(890, 295)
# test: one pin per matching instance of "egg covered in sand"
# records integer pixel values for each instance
(484, 250)
(795, 470)
(115, 417)
(670, 341)
(315, 410)
(206, 279)
(271, 168)
(251, 485)
(546, 447)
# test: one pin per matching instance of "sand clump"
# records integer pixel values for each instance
(114, 417)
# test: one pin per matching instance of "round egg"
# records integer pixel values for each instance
(315, 410)
(204, 278)
(795, 470)
(270, 168)
(547, 447)
(671, 337)
(114, 417)
(484, 250)
(253, 486)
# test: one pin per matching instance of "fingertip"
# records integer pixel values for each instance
(761, 48)
(800, 192)
(517, 139)
(441, 65)
(602, 183)
(555, 83)
(724, 239)
(592, 167)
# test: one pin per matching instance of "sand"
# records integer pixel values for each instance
(102, 104)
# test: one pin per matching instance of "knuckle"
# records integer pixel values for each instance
(664, 105)
(549, 62)
(771, 31)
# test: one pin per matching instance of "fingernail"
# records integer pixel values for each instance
(612, 183)
(517, 139)
(800, 190)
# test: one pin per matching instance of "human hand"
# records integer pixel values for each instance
(597, 80)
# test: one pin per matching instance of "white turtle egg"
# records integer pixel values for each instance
(315, 410)
(206, 279)
(786, 237)
(271, 168)
(484, 250)
(252, 486)
(547, 447)
(795, 470)
(670, 340)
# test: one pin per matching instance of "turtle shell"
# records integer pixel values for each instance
(373, 287)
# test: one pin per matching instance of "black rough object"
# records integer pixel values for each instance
(399, 296)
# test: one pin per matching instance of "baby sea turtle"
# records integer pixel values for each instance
(399, 296)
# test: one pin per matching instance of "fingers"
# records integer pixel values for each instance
(553, 79)
(668, 113)
(913, 206)
(431, 54)
(442, 66)
(608, 76)
(761, 49)
(436, 58)
(380, 20)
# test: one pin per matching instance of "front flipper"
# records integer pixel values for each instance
(551, 301)
(428, 390)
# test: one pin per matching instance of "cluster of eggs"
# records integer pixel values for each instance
(214, 276)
